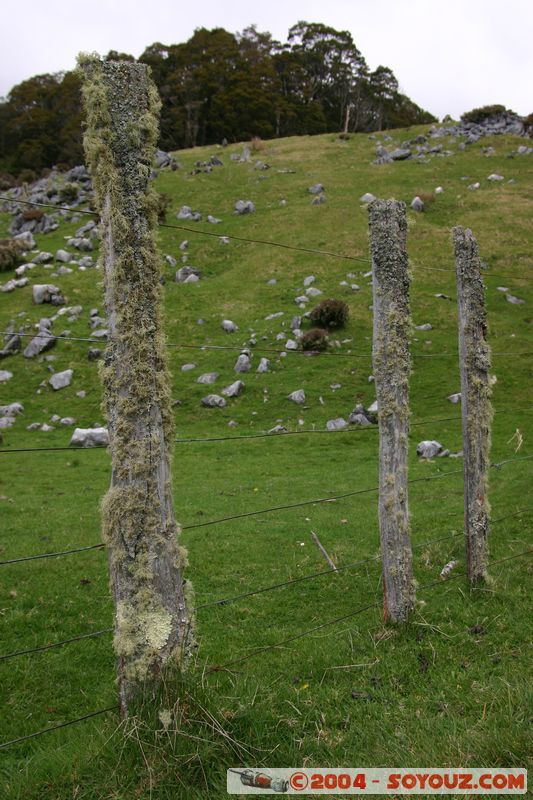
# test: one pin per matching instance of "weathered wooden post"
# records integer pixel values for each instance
(151, 617)
(392, 365)
(476, 408)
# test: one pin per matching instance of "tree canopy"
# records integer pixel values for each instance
(219, 85)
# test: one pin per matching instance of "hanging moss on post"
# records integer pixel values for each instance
(391, 367)
(476, 408)
(152, 625)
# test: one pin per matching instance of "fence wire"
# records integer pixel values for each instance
(314, 251)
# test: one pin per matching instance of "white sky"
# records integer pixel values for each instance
(448, 55)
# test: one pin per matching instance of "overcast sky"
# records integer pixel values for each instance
(448, 56)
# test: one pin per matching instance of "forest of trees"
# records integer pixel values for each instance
(219, 85)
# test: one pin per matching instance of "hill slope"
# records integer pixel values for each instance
(450, 689)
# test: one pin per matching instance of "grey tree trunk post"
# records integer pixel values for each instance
(152, 628)
(392, 365)
(476, 408)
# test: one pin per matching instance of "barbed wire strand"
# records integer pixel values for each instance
(258, 651)
(340, 496)
(200, 232)
(377, 604)
(45, 647)
(234, 598)
(101, 545)
(57, 727)
(263, 435)
(240, 348)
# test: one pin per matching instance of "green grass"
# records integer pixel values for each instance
(430, 694)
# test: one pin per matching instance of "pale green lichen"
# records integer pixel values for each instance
(138, 524)
(392, 369)
(476, 391)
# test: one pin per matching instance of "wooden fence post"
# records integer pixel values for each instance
(476, 409)
(152, 626)
(392, 365)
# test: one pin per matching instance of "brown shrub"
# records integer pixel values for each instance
(316, 339)
(32, 213)
(10, 254)
(330, 314)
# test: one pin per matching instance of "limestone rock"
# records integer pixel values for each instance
(430, 449)
(44, 293)
(297, 397)
(243, 363)
(60, 380)
(213, 401)
(207, 377)
(338, 424)
(90, 437)
(234, 389)
(229, 326)
(244, 207)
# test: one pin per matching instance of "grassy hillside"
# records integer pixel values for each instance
(451, 688)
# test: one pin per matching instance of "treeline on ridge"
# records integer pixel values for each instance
(219, 85)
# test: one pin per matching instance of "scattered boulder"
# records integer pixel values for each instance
(454, 398)
(430, 449)
(244, 207)
(213, 401)
(5, 375)
(42, 342)
(360, 416)
(243, 363)
(186, 213)
(63, 256)
(188, 367)
(47, 293)
(338, 424)
(187, 275)
(495, 178)
(207, 377)
(417, 204)
(368, 197)
(316, 188)
(27, 239)
(90, 437)
(60, 380)
(297, 397)
(12, 344)
(229, 326)
(426, 326)
(319, 200)
(263, 365)
(400, 154)
(11, 410)
(516, 301)
(234, 389)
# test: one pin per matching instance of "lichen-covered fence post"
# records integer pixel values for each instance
(476, 408)
(152, 628)
(392, 366)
